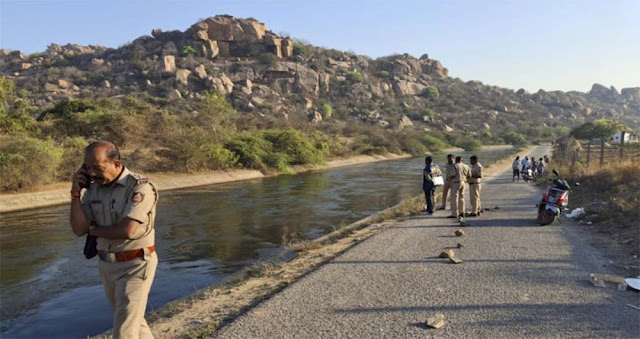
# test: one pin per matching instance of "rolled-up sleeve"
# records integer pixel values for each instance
(140, 203)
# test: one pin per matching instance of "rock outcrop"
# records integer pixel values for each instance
(266, 74)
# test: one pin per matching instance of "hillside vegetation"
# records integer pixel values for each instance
(229, 93)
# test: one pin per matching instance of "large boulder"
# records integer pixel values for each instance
(169, 63)
(403, 87)
(182, 76)
(287, 48)
(226, 81)
(201, 72)
(66, 84)
(405, 122)
(290, 77)
(228, 28)
(631, 92)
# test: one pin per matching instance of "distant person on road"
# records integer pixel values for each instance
(429, 174)
(448, 177)
(524, 164)
(118, 209)
(516, 169)
(475, 185)
(534, 166)
(458, 186)
(546, 159)
(540, 167)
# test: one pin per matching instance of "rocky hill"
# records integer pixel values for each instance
(229, 92)
(269, 75)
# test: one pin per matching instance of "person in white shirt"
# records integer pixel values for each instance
(516, 171)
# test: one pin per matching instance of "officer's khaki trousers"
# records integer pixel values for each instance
(457, 198)
(445, 192)
(474, 193)
(126, 285)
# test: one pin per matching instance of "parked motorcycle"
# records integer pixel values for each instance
(527, 175)
(554, 200)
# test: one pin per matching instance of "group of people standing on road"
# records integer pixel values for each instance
(529, 168)
(458, 177)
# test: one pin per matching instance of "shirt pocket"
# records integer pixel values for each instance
(98, 212)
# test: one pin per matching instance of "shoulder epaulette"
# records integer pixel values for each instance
(139, 178)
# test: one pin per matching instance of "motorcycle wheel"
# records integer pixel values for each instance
(546, 217)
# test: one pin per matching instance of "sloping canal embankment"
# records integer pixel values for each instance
(11, 202)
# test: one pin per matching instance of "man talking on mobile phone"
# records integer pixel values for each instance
(118, 207)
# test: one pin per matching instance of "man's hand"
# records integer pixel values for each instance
(81, 179)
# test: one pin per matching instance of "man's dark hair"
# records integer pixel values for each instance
(458, 159)
(112, 151)
(449, 155)
(474, 157)
(428, 159)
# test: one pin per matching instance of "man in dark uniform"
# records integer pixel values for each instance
(430, 171)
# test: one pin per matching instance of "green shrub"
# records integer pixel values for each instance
(14, 112)
(431, 93)
(72, 157)
(192, 150)
(326, 110)
(383, 74)
(469, 143)
(27, 162)
(187, 50)
(250, 149)
(66, 108)
(330, 70)
(433, 143)
(295, 144)
(301, 49)
(267, 58)
(429, 113)
(354, 76)
(218, 157)
(515, 139)
(278, 160)
(277, 149)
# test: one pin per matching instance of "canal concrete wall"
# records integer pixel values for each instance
(11, 202)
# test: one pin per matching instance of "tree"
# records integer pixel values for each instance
(598, 129)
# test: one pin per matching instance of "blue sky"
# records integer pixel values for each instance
(561, 44)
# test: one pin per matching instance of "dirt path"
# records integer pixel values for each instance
(517, 280)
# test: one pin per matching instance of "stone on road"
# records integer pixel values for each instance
(519, 280)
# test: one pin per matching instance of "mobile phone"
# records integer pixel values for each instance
(86, 174)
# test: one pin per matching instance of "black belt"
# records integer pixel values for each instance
(473, 183)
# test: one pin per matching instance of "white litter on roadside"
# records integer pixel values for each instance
(633, 283)
(575, 213)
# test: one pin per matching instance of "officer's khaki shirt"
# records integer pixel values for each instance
(462, 173)
(128, 196)
(450, 171)
(477, 170)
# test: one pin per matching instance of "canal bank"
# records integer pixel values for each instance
(205, 311)
(12, 202)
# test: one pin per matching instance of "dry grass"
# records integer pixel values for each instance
(617, 186)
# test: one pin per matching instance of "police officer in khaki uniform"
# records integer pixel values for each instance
(458, 185)
(475, 184)
(118, 207)
(449, 173)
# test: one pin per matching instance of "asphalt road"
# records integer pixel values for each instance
(518, 280)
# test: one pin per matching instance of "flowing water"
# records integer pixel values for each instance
(203, 235)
